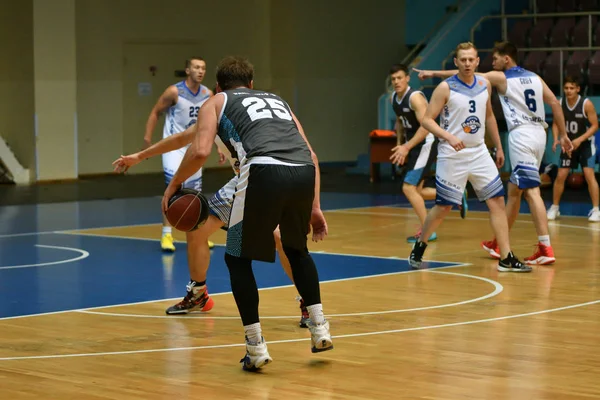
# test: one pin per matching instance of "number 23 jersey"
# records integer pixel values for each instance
(184, 113)
(254, 124)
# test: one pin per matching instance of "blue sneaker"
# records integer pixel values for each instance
(464, 207)
(413, 239)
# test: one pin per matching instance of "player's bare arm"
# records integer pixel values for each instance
(439, 98)
(496, 78)
(491, 127)
(592, 117)
(166, 100)
(559, 118)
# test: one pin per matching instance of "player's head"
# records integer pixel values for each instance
(195, 69)
(466, 58)
(571, 87)
(399, 77)
(233, 72)
(504, 56)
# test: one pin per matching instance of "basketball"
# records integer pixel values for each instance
(187, 210)
(575, 181)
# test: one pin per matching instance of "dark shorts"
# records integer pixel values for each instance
(585, 155)
(268, 195)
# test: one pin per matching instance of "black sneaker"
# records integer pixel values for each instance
(192, 302)
(512, 264)
(305, 317)
(416, 255)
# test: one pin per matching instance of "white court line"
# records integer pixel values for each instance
(84, 254)
(351, 335)
(224, 293)
(498, 288)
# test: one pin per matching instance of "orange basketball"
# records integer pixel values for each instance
(575, 181)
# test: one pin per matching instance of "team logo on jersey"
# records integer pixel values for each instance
(471, 125)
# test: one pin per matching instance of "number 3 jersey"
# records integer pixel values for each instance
(523, 102)
(184, 113)
(464, 113)
(257, 127)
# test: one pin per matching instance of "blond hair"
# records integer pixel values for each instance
(464, 46)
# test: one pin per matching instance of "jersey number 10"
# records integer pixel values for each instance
(258, 108)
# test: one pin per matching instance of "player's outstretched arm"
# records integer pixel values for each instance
(428, 74)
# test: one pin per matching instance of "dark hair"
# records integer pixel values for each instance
(399, 67)
(571, 79)
(506, 49)
(233, 72)
(188, 62)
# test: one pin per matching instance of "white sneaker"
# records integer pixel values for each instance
(594, 215)
(553, 213)
(256, 356)
(320, 337)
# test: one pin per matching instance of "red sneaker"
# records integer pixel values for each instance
(491, 246)
(544, 255)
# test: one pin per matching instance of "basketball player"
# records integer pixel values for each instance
(279, 185)
(522, 95)
(197, 298)
(419, 150)
(464, 101)
(581, 124)
(181, 102)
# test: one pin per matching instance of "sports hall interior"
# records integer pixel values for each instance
(83, 281)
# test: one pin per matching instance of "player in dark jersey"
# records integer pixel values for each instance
(581, 123)
(278, 185)
(418, 152)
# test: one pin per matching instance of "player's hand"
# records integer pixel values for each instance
(556, 143)
(424, 74)
(576, 143)
(222, 157)
(123, 163)
(499, 158)
(456, 143)
(169, 192)
(399, 154)
(566, 145)
(318, 224)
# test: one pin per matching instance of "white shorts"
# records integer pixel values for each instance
(526, 148)
(473, 165)
(172, 161)
(221, 202)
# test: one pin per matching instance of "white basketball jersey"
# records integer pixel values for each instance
(523, 102)
(184, 113)
(464, 114)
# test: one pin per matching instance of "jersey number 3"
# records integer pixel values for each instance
(258, 108)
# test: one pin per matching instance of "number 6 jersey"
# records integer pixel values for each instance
(523, 102)
(257, 127)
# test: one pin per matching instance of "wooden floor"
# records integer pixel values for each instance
(464, 332)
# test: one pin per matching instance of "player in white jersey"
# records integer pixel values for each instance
(466, 113)
(181, 103)
(197, 298)
(523, 94)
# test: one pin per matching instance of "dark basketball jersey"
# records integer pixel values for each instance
(254, 123)
(575, 119)
(407, 116)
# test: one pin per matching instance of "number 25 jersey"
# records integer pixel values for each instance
(254, 124)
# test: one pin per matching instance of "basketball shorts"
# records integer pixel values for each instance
(171, 162)
(585, 155)
(220, 203)
(419, 162)
(473, 165)
(526, 148)
(268, 195)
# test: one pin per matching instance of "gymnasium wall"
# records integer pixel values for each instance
(327, 59)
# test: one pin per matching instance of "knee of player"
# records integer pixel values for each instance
(532, 193)
(294, 253)
(408, 188)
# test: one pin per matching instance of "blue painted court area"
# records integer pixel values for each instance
(119, 271)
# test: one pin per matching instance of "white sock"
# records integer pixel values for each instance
(166, 229)
(596, 209)
(253, 333)
(545, 240)
(316, 313)
(555, 207)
